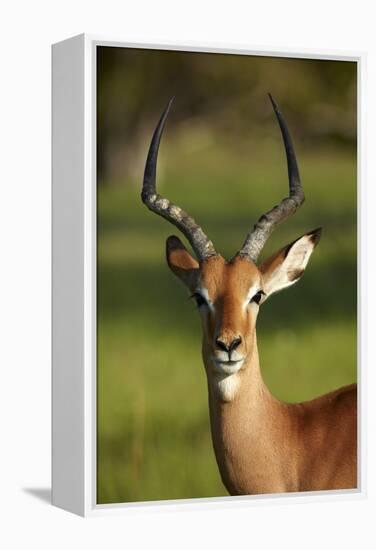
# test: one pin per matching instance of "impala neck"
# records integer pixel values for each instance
(245, 418)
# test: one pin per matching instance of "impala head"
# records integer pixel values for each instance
(229, 293)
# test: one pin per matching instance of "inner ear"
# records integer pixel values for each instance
(286, 266)
(182, 263)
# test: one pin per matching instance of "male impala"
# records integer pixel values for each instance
(262, 445)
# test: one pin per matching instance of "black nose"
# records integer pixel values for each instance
(228, 347)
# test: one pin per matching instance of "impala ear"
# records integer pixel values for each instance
(181, 262)
(286, 266)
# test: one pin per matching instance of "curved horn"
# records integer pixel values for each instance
(200, 243)
(257, 238)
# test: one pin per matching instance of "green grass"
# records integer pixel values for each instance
(153, 428)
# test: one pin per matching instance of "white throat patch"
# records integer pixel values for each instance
(227, 386)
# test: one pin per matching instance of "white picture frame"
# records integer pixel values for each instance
(74, 279)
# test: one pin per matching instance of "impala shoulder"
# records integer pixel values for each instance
(347, 397)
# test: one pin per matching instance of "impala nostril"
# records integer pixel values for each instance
(222, 345)
(235, 343)
(228, 347)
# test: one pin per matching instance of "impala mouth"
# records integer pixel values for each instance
(228, 367)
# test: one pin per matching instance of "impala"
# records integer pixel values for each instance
(262, 445)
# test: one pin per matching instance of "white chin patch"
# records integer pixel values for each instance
(227, 386)
(226, 368)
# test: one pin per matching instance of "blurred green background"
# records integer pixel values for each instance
(222, 160)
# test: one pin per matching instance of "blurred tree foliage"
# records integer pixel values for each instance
(218, 94)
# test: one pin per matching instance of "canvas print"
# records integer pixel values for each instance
(226, 275)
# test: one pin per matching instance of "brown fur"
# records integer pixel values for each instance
(263, 445)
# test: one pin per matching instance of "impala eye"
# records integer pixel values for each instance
(257, 297)
(200, 300)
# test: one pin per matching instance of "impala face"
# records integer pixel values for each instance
(229, 294)
(228, 297)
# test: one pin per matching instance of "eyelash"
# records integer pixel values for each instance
(200, 300)
(257, 297)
